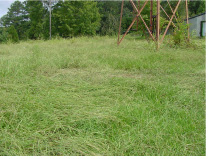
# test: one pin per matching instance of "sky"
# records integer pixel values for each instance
(4, 5)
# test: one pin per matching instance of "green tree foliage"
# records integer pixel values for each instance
(2, 21)
(75, 18)
(16, 16)
(109, 11)
(12, 34)
(3, 35)
(196, 7)
(36, 12)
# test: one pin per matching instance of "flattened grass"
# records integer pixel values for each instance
(87, 96)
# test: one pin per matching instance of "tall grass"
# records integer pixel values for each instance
(87, 96)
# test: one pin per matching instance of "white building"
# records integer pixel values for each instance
(198, 25)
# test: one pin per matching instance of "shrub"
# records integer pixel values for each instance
(180, 34)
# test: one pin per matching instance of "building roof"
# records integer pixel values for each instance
(197, 15)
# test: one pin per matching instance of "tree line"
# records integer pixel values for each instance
(30, 19)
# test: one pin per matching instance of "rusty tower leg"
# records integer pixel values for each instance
(121, 16)
(151, 12)
(187, 15)
(158, 24)
(137, 24)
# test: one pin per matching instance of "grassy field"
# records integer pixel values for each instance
(87, 96)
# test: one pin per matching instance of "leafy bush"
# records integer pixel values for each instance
(179, 37)
(180, 34)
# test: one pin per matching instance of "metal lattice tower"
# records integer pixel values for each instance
(138, 11)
